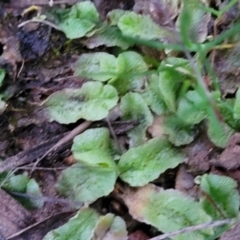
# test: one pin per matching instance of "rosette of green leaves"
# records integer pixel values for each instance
(125, 73)
(80, 20)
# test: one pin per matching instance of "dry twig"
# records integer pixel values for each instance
(64, 140)
(195, 228)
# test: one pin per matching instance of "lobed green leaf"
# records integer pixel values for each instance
(142, 26)
(130, 70)
(80, 226)
(192, 108)
(81, 19)
(110, 227)
(114, 16)
(95, 173)
(16, 183)
(177, 131)
(223, 192)
(91, 102)
(219, 132)
(134, 107)
(94, 148)
(141, 165)
(99, 66)
(168, 84)
(81, 182)
(153, 97)
(168, 211)
(227, 113)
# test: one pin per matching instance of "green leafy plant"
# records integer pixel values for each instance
(95, 172)
(21, 183)
(223, 191)
(87, 224)
(167, 210)
(173, 89)
(138, 166)
(92, 102)
(79, 20)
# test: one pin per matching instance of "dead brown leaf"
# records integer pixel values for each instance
(198, 153)
(185, 181)
(162, 12)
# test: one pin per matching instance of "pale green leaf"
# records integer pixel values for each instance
(143, 27)
(173, 72)
(141, 165)
(34, 191)
(169, 86)
(114, 16)
(130, 70)
(153, 96)
(110, 227)
(86, 183)
(85, 10)
(21, 183)
(91, 102)
(79, 227)
(168, 211)
(16, 183)
(99, 66)
(125, 73)
(192, 108)
(178, 132)
(96, 175)
(223, 192)
(180, 65)
(93, 147)
(133, 107)
(236, 108)
(219, 133)
(76, 28)
(227, 113)
(81, 19)
(130, 62)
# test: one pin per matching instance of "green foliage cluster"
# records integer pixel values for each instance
(143, 88)
(21, 183)
(173, 89)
